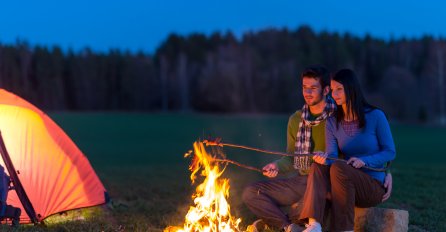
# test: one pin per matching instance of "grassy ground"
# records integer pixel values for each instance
(139, 158)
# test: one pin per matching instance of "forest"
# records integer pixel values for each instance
(257, 72)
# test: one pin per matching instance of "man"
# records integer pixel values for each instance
(7, 211)
(305, 134)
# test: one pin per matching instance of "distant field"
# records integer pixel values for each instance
(139, 158)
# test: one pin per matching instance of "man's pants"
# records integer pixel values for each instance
(265, 198)
(346, 186)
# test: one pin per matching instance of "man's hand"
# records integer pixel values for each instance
(320, 157)
(356, 162)
(270, 170)
(388, 185)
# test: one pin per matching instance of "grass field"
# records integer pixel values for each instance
(139, 158)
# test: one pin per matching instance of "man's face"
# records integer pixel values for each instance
(312, 91)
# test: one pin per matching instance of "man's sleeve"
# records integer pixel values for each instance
(285, 164)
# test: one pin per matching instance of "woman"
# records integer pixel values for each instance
(361, 133)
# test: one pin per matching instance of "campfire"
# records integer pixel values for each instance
(211, 210)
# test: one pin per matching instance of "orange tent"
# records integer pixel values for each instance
(50, 174)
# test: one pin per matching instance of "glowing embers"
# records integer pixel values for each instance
(211, 211)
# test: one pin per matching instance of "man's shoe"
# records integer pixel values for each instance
(257, 226)
(293, 228)
(313, 227)
(16, 218)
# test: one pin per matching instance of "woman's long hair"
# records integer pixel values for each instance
(357, 105)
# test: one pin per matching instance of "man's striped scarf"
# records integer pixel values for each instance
(303, 139)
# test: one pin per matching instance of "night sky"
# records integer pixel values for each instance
(142, 25)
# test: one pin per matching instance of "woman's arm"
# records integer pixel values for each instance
(331, 142)
(385, 141)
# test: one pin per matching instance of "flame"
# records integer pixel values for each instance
(211, 211)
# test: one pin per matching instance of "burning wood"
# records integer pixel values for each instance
(211, 211)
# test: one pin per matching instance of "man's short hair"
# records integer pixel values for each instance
(319, 72)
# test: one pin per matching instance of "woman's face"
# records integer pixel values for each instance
(337, 92)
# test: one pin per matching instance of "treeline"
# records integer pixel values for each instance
(221, 73)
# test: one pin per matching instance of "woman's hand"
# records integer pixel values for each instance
(388, 186)
(356, 162)
(320, 157)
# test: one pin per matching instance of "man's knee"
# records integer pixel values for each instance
(250, 192)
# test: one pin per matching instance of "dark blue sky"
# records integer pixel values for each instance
(142, 25)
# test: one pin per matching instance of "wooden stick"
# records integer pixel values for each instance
(218, 143)
(239, 164)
